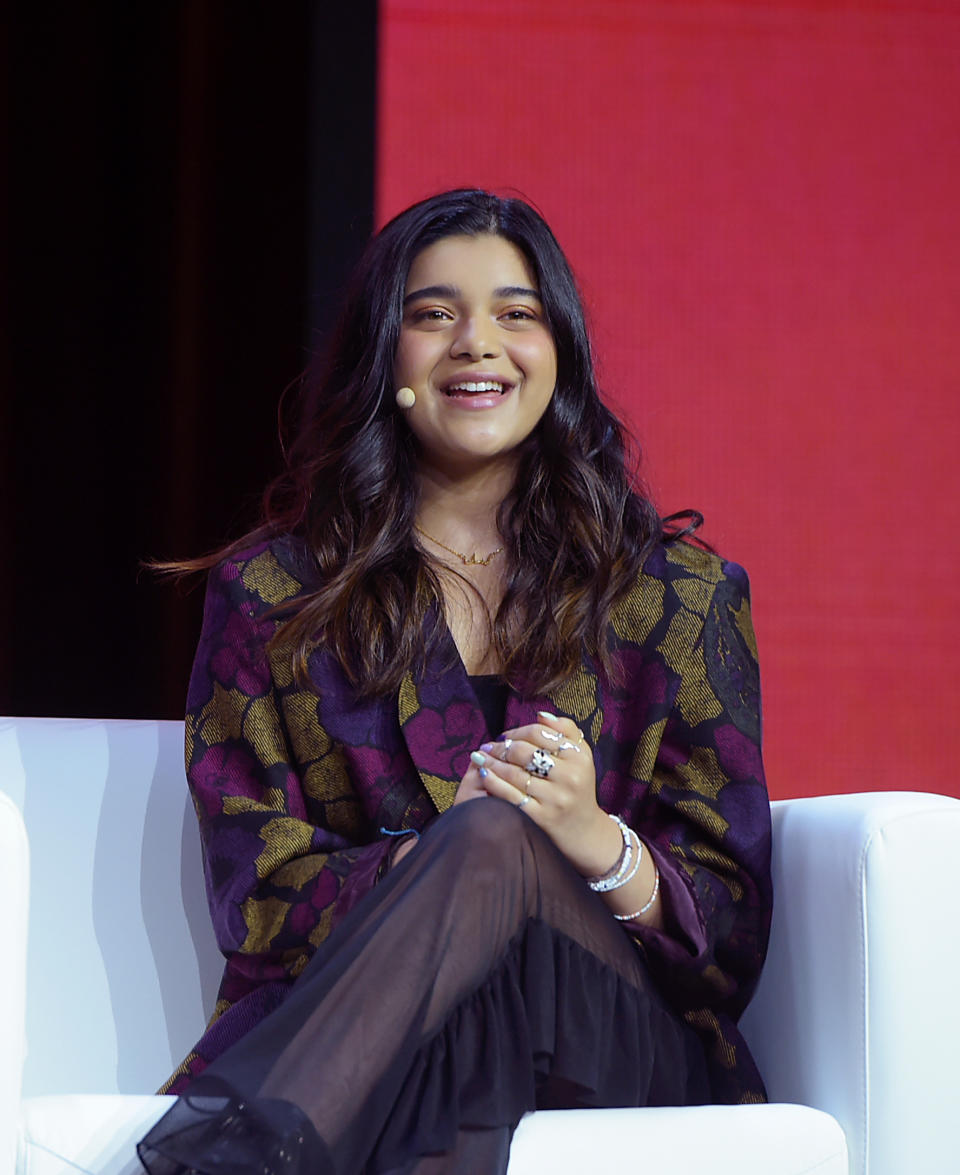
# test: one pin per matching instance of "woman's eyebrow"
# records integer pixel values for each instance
(433, 292)
(516, 292)
(453, 292)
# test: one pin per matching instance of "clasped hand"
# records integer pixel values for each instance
(562, 800)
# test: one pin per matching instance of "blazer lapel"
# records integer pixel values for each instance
(441, 721)
(577, 698)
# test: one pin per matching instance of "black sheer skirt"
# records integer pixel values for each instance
(480, 979)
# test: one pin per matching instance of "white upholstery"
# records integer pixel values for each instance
(14, 885)
(67, 1133)
(852, 1015)
(62, 1134)
(857, 1011)
(119, 923)
(719, 1140)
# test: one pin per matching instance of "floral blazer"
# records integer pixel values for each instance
(293, 785)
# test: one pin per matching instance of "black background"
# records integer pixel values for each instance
(188, 187)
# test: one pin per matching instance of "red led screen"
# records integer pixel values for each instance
(761, 203)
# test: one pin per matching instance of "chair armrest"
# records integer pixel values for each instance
(14, 894)
(856, 1012)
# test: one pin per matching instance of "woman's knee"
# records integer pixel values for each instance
(485, 833)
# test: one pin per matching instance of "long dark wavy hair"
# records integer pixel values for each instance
(576, 530)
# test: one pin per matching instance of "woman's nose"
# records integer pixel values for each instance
(475, 339)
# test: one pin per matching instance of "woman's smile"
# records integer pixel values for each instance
(477, 390)
(476, 349)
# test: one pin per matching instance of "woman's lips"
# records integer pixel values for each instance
(476, 394)
(476, 387)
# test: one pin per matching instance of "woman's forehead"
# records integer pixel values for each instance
(484, 261)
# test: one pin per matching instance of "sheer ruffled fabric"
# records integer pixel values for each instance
(479, 980)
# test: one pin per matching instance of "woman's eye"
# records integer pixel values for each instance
(431, 314)
(519, 314)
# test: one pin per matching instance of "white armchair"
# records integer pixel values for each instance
(856, 1020)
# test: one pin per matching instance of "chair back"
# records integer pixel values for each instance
(122, 966)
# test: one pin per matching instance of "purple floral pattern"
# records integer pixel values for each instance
(292, 786)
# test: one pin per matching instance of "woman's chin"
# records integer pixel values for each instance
(469, 459)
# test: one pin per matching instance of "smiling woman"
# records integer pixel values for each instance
(474, 743)
(478, 354)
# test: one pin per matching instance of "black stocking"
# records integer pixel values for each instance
(479, 980)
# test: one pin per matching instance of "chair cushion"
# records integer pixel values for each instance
(691, 1140)
(99, 1133)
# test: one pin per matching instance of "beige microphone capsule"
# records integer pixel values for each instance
(406, 398)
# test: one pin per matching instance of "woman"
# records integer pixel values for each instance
(458, 619)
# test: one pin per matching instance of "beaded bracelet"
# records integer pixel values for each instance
(653, 898)
(621, 872)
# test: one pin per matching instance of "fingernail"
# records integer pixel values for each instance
(547, 714)
(477, 758)
(484, 773)
(488, 747)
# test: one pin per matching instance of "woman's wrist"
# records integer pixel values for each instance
(400, 850)
(403, 841)
(602, 849)
(639, 900)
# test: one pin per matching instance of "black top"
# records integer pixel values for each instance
(491, 691)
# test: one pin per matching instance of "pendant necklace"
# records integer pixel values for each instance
(473, 560)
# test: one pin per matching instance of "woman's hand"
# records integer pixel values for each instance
(471, 786)
(563, 801)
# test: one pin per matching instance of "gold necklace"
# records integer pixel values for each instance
(467, 560)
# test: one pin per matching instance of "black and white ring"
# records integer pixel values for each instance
(541, 763)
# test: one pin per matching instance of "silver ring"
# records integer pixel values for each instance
(507, 744)
(541, 763)
(525, 800)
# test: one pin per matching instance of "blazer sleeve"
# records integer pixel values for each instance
(706, 813)
(277, 877)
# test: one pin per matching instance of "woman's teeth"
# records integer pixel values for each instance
(468, 387)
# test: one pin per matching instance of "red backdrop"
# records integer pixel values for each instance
(760, 200)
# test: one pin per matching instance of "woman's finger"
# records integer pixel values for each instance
(516, 790)
(552, 733)
(495, 775)
(565, 726)
(524, 755)
(471, 786)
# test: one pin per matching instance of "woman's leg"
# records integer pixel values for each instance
(454, 993)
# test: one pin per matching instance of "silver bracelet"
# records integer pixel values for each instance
(613, 878)
(653, 898)
(621, 872)
(619, 866)
(636, 865)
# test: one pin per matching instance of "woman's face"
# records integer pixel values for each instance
(476, 349)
